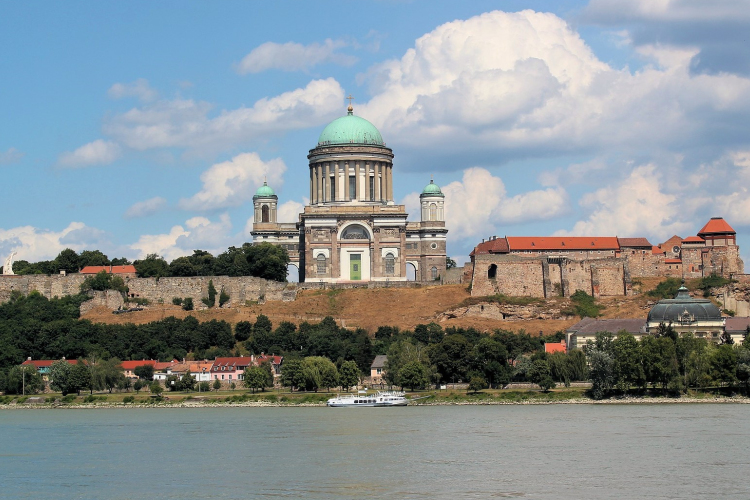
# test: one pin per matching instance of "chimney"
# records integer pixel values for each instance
(252, 357)
(28, 359)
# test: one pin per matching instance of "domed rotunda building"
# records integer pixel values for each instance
(352, 230)
(684, 313)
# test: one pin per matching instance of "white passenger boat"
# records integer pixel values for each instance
(380, 398)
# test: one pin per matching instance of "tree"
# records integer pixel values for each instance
(318, 372)
(540, 375)
(204, 386)
(187, 382)
(108, 374)
(627, 367)
(217, 384)
(187, 304)
(103, 281)
(291, 373)
(144, 372)
(601, 370)
(156, 388)
(81, 378)
(449, 263)
(348, 374)
(724, 365)
(477, 383)
(93, 258)
(255, 378)
(210, 300)
(23, 379)
(59, 376)
(269, 261)
(153, 266)
(223, 297)
(243, 330)
(67, 261)
(137, 386)
(414, 375)
(659, 361)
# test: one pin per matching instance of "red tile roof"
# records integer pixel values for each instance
(498, 245)
(130, 365)
(163, 365)
(109, 269)
(634, 242)
(716, 225)
(543, 243)
(551, 347)
(242, 362)
(657, 251)
(693, 239)
(673, 261)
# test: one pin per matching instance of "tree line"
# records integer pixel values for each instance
(263, 260)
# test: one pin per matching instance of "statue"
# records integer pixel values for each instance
(8, 267)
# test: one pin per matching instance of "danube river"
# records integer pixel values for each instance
(679, 451)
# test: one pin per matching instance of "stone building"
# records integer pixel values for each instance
(600, 266)
(352, 230)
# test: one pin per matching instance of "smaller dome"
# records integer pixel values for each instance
(684, 309)
(264, 191)
(432, 189)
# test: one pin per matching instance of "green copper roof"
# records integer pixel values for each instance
(265, 190)
(432, 189)
(350, 129)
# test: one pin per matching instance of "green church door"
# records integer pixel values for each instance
(355, 266)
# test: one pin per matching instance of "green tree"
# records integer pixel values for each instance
(541, 375)
(659, 361)
(217, 384)
(243, 330)
(103, 281)
(449, 263)
(23, 379)
(137, 386)
(601, 372)
(144, 372)
(81, 378)
(108, 374)
(291, 373)
(67, 261)
(255, 378)
(743, 367)
(92, 258)
(182, 266)
(210, 300)
(724, 365)
(348, 374)
(156, 388)
(59, 376)
(269, 261)
(414, 375)
(223, 297)
(153, 266)
(187, 382)
(318, 372)
(187, 304)
(627, 367)
(477, 383)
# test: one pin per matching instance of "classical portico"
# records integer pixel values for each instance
(352, 230)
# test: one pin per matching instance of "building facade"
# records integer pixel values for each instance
(352, 230)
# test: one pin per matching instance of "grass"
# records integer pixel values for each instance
(500, 299)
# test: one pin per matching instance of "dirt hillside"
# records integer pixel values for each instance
(370, 308)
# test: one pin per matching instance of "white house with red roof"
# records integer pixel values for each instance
(122, 271)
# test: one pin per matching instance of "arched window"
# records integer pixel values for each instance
(355, 232)
(390, 264)
(434, 273)
(321, 263)
(265, 214)
(492, 272)
(433, 211)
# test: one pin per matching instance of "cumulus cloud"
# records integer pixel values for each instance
(503, 86)
(139, 89)
(233, 182)
(197, 233)
(479, 204)
(636, 206)
(34, 244)
(293, 56)
(146, 207)
(718, 29)
(186, 123)
(12, 155)
(99, 152)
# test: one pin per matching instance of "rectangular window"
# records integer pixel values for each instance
(333, 188)
(230, 377)
(372, 188)
(352, 187)
(222, 376)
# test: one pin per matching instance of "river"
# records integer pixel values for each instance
(679, 451)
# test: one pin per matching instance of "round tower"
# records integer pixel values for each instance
(432, 201)
(265, 202)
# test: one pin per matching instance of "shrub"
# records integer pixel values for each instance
(177, 301)
(210, 301)
(187, 304)
(223, 297)
(667, 289)
(69, 398)
(138, 301)
(128, 399)
(584, 305)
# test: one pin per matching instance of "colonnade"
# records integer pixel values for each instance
(332, 181)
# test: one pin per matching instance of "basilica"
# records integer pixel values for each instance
(352, 230)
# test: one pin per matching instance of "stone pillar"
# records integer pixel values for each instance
(376, 166)
(312, 176)
(327, 182)
(319, 169)
(357, 182)
(375, 259)
(335, 272)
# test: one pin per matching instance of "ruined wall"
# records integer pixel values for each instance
(514, 276)
(644, 264)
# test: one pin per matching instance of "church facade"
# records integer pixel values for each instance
(352, 230)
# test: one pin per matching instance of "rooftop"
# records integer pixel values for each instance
(717, 225)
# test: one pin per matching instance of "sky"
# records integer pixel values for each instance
(146, 127)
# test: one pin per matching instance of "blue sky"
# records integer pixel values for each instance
(145, 127)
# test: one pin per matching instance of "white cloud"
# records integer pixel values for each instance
(139, 89)
(292, 56)
(667, 10)
(233, 182)
(99, 152)
(146, 207)
(478, 204)
(186, 123)
(514, 85)
(33, 244)
(636, 206)
(12, 155)
(197, 233)
(290, 210)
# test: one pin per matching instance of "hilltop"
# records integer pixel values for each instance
(402, 307)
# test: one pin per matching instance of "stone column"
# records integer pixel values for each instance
(357, 183)
(327, 182)
(376, 166)
(390, 182)
(319, 169)
(312, 176)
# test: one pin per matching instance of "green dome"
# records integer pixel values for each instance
(432, 189)
(350, 129)
(264, 191)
